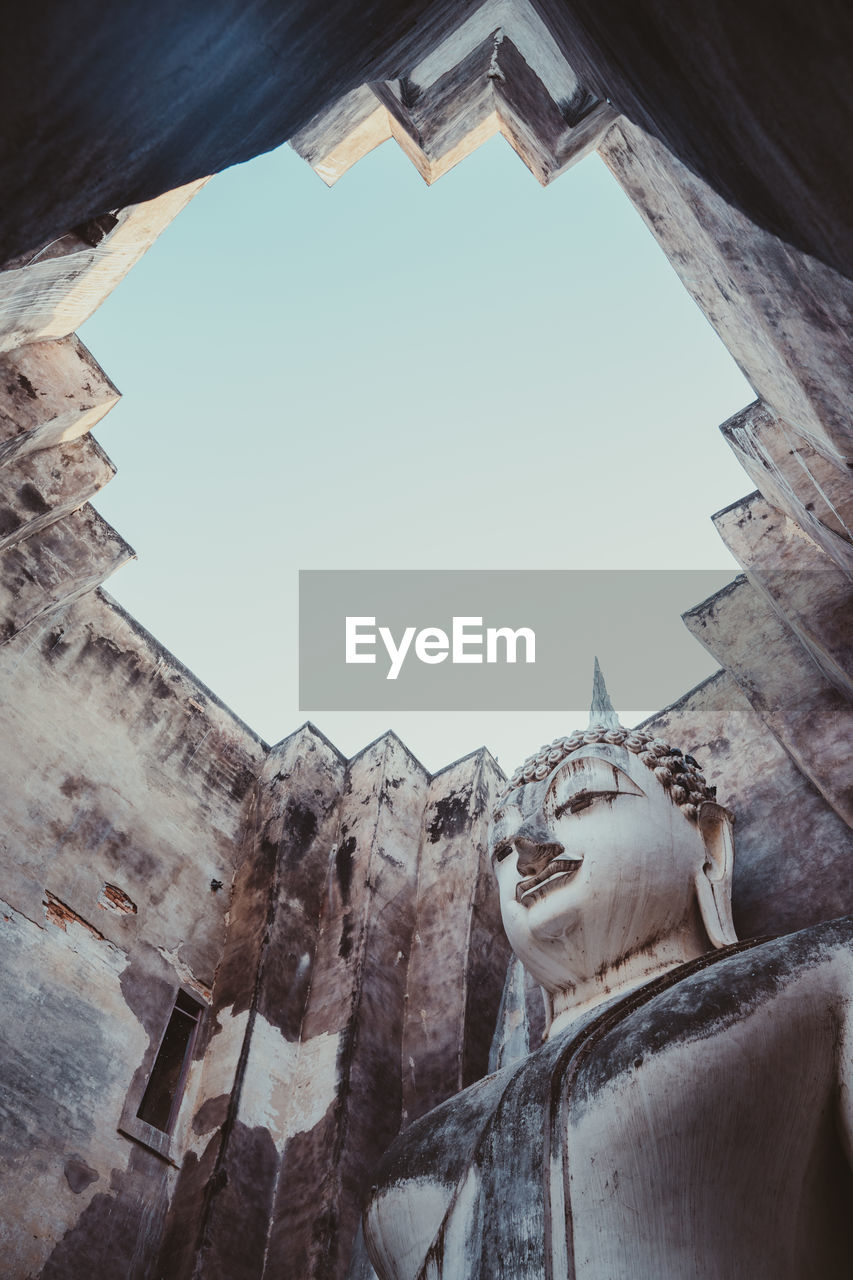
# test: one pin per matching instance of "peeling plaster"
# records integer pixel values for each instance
(84, 939)
(288, 1086)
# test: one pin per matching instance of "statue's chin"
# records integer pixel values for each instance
(539, 927)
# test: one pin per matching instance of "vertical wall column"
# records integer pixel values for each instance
(347, 1097)
(459, 951)
(220, 1216)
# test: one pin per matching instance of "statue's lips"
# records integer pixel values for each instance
(554, 874)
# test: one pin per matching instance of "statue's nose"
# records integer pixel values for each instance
(535, 848)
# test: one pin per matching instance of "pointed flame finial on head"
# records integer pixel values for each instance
(601, 711)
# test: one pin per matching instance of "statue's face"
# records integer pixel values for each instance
(594, 863)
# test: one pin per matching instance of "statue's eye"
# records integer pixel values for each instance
(582, 800)
(502, 850)
(582, 782)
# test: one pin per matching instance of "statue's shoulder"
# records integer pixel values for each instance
(819, 956)
(755, 971)
(791, 952)
(763, 965)
(814, 966)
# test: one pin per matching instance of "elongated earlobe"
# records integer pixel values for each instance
(714, 881)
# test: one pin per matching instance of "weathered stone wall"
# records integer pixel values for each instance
(342, 939)
(54, 547)
(351, 963)
(774, 727)
(127, 788)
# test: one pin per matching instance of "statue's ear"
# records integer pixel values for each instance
(714, 881)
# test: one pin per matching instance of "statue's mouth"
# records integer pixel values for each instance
(553, 876)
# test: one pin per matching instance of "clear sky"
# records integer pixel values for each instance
(480, 374)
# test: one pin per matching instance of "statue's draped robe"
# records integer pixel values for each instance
(502, 1153)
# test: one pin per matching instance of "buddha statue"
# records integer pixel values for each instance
(688, 1113)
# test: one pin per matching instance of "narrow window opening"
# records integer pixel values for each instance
(162, 1096)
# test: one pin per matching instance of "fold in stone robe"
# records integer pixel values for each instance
(630, 1147)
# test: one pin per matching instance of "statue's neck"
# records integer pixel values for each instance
(571, 1003)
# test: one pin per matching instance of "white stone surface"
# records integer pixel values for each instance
(288, 1086)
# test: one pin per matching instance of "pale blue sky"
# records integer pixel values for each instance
(481, 374)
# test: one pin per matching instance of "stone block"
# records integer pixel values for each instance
(38, 490)
(56, 565)
(161, 761)
(50, 393)
(802, 585)
(816, 492)
(809, 718)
